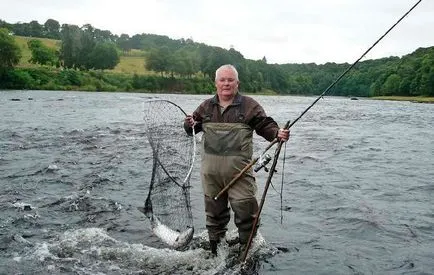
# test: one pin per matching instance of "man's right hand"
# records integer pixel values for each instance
(189, 120)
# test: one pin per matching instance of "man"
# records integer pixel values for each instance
(228, 120)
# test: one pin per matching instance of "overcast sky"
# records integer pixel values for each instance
(284, 31)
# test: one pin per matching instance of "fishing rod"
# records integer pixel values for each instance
(247, 167)
(288, 125)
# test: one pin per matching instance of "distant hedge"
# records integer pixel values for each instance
(47, 78)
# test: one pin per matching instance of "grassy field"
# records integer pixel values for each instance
(25, 51)
(131, 65)
(132, 62)
(418, 99)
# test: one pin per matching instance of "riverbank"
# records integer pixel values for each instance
(418, 99)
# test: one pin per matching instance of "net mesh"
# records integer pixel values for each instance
(173, 158)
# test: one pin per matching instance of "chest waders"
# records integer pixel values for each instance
(227, 149)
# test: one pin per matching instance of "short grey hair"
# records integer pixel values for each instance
(227, 66)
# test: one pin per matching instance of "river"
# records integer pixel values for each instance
(357, 187)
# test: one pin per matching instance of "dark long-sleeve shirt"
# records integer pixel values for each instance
(243, 109)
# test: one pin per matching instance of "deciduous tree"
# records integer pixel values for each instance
(104, 56)
(10, 52)
(52, 29)
(42, 54)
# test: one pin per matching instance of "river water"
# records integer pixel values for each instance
(355, 194)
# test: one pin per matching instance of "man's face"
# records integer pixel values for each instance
(226, 84)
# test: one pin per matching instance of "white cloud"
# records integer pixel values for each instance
(284, 31)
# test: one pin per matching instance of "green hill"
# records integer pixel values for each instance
(25, 51)
(132, 62)
(193, 65)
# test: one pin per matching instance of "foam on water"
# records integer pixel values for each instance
(94, 250)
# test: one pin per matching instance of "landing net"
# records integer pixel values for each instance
(173, 154)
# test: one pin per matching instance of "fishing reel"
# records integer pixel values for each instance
(263, 161)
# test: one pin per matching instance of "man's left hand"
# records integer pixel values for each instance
(283, 135)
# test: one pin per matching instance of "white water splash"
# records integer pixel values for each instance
(96, 251)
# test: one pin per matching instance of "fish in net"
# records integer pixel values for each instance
(168, 202)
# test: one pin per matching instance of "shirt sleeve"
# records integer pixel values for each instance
(263, 125)
(198, 126)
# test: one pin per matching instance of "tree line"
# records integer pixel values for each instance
(87, 48)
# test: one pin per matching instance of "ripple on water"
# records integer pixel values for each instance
(357, 189)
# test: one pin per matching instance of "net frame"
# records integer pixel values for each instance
(174, 154)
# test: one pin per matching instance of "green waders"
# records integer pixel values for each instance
(227, 149)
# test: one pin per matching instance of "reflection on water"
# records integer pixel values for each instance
(356, 195)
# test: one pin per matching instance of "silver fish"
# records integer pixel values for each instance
(169, 236)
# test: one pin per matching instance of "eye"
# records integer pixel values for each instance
(230, 80)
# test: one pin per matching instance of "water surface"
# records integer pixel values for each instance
(356, 196)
